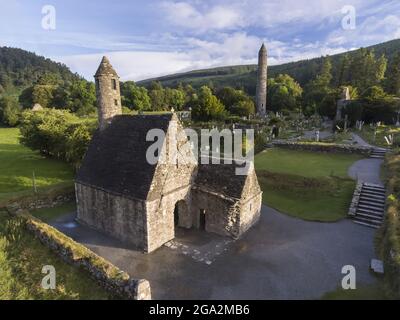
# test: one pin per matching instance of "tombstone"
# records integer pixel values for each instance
(317, 135)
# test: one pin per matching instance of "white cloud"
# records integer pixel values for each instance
(371, 31)
(185, 15)
(229, 49)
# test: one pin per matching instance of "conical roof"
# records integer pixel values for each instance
(105, 68)
(263, 48)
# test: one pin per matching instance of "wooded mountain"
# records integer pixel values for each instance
(20, 69)
(244, 76)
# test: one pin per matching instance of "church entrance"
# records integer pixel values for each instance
(180, 214)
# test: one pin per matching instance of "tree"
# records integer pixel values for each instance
(244, 108)
(9, 111)
(344, 70)
(174, 98)
(366, 70)
(393, 76)
(135, 97)
(207, 106)
(318, 93)
(284, 93)
(236, 101)
(43, 94)
(374, 93)
(82, 97)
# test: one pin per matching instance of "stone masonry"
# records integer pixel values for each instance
(107, 93)
(261, 90)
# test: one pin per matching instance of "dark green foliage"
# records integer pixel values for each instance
(284, 93)
(236, 101)
(382, 109)
(393, 76)
(20, 68)
(135, 97)
(207, 106)
(56, 133)
(9, 110)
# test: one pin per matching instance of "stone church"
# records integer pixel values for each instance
(121, 194)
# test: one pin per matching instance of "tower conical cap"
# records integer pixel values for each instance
(105, 68)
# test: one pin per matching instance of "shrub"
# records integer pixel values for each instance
(57, 133)
(390, 233)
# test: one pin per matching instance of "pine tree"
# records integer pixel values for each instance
(393, 76)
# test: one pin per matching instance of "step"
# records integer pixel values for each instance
(373, 196)
(371, 205)
(380, 197)
(378, 151)
(371, 200)
(376, 156)
(369, 211)
(374, 189)
(367, 222)
(369, 216)
(376, 199)
(373, 192)
(373, 186)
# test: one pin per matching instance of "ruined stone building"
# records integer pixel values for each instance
(120, 193)
(342, 103)
(261, 89)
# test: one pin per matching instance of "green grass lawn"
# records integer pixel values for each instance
(21, 260)
(308, 185)
(21, 255)
(17, 164)
(305, 163)
(371, 292)
(48, 214)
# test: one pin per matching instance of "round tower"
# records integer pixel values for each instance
(261, 90)
(107, 93)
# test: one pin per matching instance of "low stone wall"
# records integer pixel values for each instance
(106, 274)
(323, 147)
(355, 199)
(51, 198)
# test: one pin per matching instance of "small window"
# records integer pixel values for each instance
(97, 84)
(250, 206)
(114, 84)
(116, 102)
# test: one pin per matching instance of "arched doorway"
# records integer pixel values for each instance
(181, 215)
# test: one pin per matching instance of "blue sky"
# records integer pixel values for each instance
(150, 38)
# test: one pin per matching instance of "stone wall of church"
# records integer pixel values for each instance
(250, 213)
(160, 217)
(221, 213)
(119, 217)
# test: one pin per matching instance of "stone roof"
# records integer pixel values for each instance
(105, 68)
(116, 157)
(221, 178)
(263, 48)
